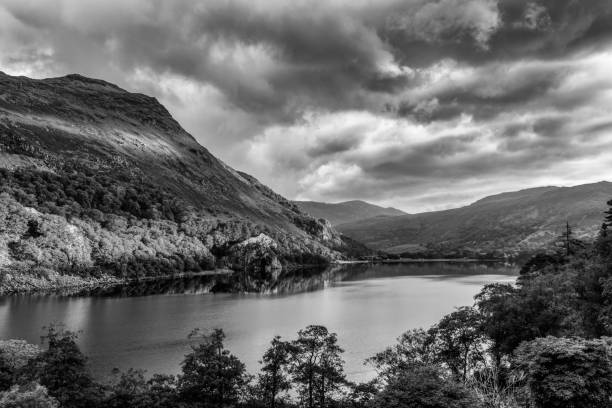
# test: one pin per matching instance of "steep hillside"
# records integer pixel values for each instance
(348, 211)
(507, 223)
(98, 181)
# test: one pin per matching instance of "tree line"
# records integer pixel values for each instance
(87, 223)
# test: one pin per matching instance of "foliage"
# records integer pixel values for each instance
(566, 373)
(513, 315)
(14, 355)
(132, 389)
(211, 376)
(7, 375)
(274, 377)
(162, 390)
(125, 247)
(541, 261)
(458, 341)
(414, 349)
(78, 193)
(89, 223)
(27, 396)
(316, 365)
(424, 387)
(61, 368)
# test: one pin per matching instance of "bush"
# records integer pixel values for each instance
(564, 372)
(27, 396)
(423, 387)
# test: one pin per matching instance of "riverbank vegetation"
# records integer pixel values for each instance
(90, 225)
(109, 186)
(544, 342)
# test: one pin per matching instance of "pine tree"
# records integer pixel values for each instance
(567, 240)
(603, 244)
(608, 214)
(568, 237)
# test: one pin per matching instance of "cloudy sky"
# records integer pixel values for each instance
(419, 104)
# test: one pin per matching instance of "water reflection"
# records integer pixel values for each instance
(292, 282)
(145, 325)
(194, 285)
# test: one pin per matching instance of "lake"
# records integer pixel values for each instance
(146, 325)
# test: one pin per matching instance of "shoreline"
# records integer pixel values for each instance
(29, 285)
(419, 260)
(15, 285)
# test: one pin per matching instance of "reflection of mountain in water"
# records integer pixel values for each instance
(433, 268)
(195, 284)
(296, 281)
(306, 280)
(299, 280)
(309, 279)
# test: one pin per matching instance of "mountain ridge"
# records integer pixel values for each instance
(345, 211)
(504, 224)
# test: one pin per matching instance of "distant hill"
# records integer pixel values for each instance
(98, 181)
(348, 211)
(506, 223)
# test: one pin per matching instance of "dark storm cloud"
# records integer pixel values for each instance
(490, 90)
(435, 161)
(598, 127)
(550, 127)
(423, 160)
(338, 144)
(318, 52)
(330, 55)
(542, 29)
(325, 54)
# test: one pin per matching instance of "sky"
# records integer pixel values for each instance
(417, 104)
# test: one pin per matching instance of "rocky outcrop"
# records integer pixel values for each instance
(257, 254)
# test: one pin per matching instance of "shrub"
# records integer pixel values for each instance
(566, 372)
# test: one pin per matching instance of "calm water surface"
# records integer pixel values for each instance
(369, 306)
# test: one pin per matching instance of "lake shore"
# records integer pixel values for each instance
(18, 284)
(417, 260)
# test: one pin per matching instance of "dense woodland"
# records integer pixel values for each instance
(85, 223)
(541, 343)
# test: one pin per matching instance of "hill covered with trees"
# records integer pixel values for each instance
(100, 184)
(507, 224)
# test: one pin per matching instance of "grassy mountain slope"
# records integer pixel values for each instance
(506, 223)
(348, 211)
(95, 180)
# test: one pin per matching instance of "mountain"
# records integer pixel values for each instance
(507, 223)
(97, 182)
(348, 211)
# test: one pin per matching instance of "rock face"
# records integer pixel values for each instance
(95, 180)
(504, 224)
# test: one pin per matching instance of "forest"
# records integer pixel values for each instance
(78, 222)
(541, 343)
